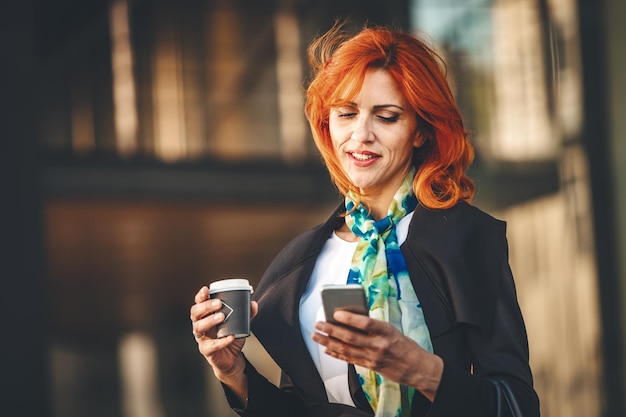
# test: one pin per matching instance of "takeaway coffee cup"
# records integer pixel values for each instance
(235, 296)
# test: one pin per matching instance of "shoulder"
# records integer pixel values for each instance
(463, 225)
(462, 250)
(462, 215)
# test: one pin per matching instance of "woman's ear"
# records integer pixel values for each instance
(419, 139)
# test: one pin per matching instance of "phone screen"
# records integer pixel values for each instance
(349, 297)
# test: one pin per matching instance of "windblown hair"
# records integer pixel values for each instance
(340, 62)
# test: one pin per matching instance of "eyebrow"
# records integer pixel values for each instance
(384, 106)
(380, 106)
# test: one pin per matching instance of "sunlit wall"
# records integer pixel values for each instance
(517, 72)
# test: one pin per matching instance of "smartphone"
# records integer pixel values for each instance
(349, 297)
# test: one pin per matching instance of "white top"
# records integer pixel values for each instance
(331, 267)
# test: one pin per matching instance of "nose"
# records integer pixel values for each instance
(362, 131)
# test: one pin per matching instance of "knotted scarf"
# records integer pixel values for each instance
(379, 266)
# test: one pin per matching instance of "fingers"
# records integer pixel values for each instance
(208, 346)
(336, 337)
(202, 295)
(353, 331)
(205, 327)
(205, 314)
(340, 349)
(366, 342)
(361, 322)
(204, 308)
(221, 353)
(341, 342)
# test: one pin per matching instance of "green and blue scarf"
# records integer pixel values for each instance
(379, 266)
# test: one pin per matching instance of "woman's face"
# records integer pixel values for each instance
(374, 136)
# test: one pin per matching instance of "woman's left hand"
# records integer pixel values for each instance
(379, 346)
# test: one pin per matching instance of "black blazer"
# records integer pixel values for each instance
(458, 262)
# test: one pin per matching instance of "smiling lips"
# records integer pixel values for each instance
(363, 158)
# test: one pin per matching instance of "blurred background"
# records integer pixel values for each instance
(152, 146)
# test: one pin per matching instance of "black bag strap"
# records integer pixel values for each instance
(504, 390)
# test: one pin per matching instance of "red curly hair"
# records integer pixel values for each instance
(340, 61)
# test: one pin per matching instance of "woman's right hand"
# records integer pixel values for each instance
(223, 354)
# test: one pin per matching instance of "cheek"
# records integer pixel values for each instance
(336, 137)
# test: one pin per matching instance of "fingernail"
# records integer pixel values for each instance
(339, 315)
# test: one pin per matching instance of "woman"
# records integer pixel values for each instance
(444, 321)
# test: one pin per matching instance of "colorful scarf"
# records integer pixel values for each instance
(379, 266)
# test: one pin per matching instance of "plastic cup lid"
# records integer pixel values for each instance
(230, 285)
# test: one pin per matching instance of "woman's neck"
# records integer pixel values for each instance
(378, 200)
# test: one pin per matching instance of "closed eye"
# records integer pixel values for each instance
(346, 112)
(390, 119)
